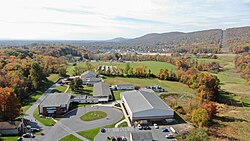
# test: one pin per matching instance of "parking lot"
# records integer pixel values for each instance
(125, 132)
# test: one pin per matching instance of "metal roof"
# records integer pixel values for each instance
(143, 99)
(4, 125)
(101, 89)
(88, 74)
(56, 99)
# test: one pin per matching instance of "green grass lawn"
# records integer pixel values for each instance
(93, 115)
(44, 121)
(53, 77)
(170, 86)
(59, 89)
(90, 134)
(87, 90)
(117, 94)
(70, 138)
(123, 124)
(10, 138)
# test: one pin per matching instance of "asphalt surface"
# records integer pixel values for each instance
(30, 111)
(125, 132)
(72, 122)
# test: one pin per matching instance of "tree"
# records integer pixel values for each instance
(127, 68)
(76, 84)
(199, 134)
(211, 108)
(200, 117)
(62, 71)
(9, 104)
(37, 75)
(89, 66)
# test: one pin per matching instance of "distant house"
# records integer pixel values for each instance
(11, 128)
(141, 136)
(144, 104)
(124, 87)
(90, 78)
(102, 92)
(55, 104)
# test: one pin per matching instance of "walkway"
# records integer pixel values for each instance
(117, 124)
(70, 131)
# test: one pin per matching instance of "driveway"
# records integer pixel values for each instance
(73, 122)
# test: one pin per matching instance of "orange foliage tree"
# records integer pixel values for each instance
(9, 104)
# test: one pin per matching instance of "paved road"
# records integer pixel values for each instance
(72, 122)
(30, 111)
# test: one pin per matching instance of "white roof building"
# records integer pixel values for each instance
(145, 105)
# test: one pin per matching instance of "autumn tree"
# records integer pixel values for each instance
(9, 104)
(200, 117)
(211, 108)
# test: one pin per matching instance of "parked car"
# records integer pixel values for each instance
(35, 129)
(27, 135)
(103, 130)
(146, 128)
(139, 127)
(156, 126)
(165, 130)
(113, 139)
(169, 136)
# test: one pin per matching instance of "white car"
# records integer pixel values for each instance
(169, 136)
(156, 126)
(139, 127)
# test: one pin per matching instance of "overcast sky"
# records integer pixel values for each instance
(106, 19)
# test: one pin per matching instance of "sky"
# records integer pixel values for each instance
(107, 19)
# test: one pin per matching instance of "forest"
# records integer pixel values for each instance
(24, 70)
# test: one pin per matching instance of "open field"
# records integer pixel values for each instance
(169, 86)
(154, 66)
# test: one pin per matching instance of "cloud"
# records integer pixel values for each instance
(70, 11)
(95, 19)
